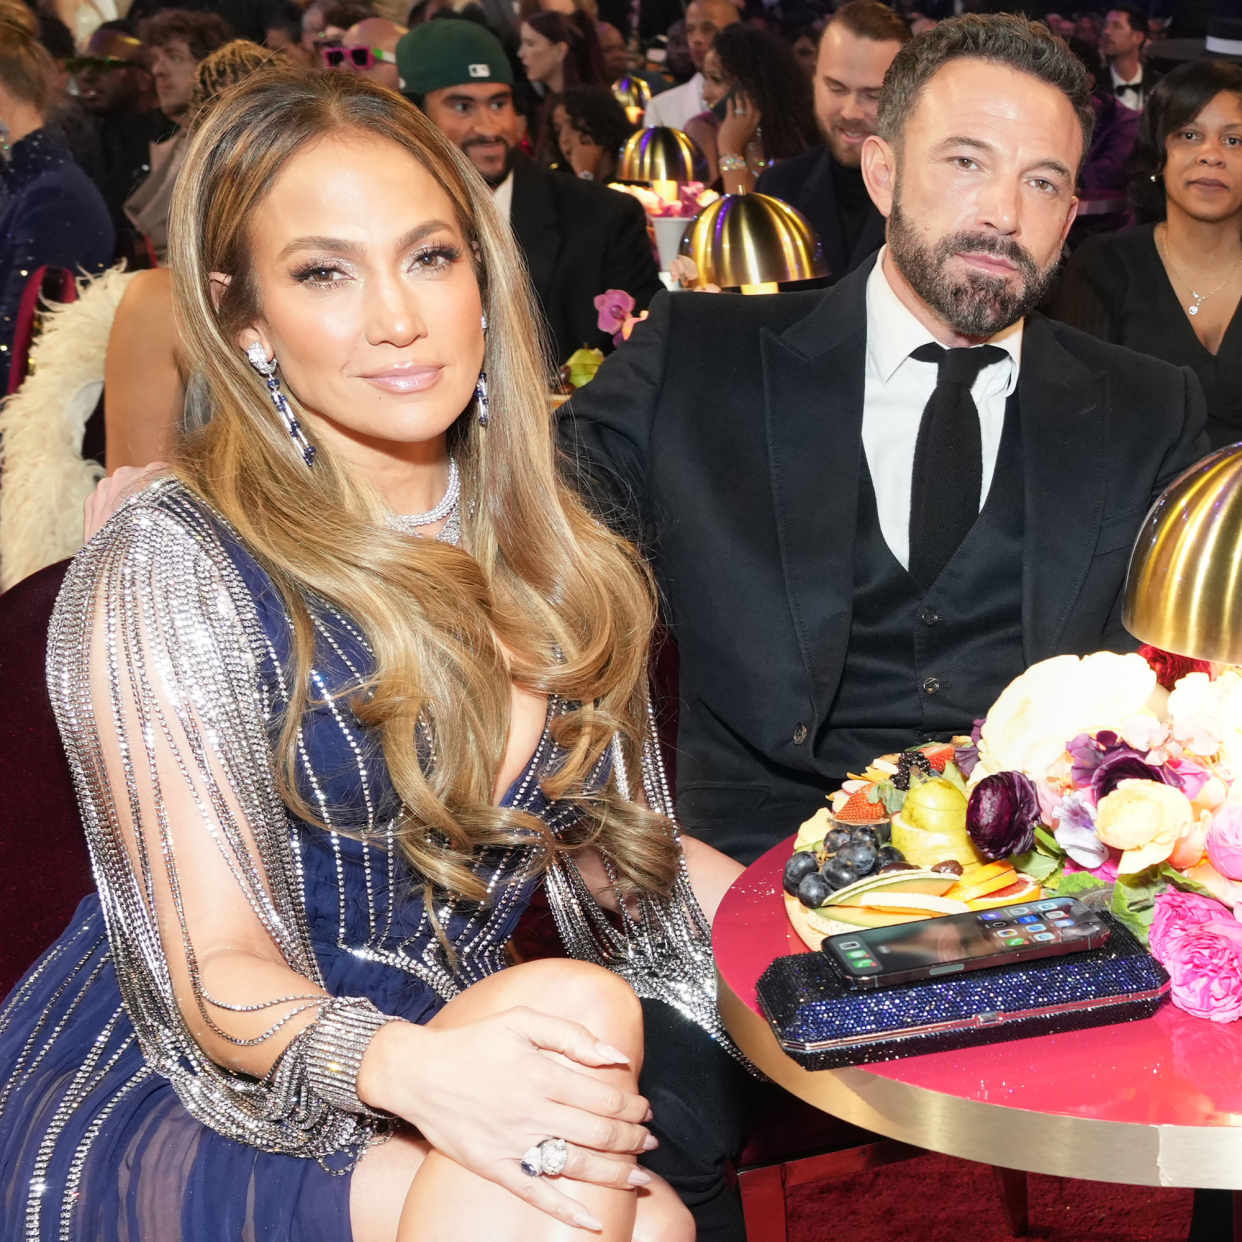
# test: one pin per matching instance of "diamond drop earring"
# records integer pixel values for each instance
(480, 392)
(267, 368)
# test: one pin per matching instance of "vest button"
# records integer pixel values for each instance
(929, 616)
(931, 685)
(799, 734)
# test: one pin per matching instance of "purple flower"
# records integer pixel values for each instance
(1122, 764)
(1087, 756)
(613, 306)
(1002, 815)
(1075, 831)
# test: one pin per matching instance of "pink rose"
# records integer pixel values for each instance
(613, 306)
(1224, 840)
(1198, 942)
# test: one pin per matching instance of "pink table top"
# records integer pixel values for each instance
(1167, 1089)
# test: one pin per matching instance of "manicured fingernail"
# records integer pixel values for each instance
(584, 1220)
(638, 1178)
(649, 1115)
(612, 1054)
(650, 1143)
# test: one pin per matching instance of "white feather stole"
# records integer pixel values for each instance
(43, 477)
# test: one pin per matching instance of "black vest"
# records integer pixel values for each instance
(922, 666)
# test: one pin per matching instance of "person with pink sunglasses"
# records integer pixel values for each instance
(370, 48)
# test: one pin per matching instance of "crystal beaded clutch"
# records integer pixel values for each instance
(823, 1023)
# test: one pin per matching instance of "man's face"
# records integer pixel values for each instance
(479, 119)
(705, 19)
(979, 192)
(173, 67)
(281, 41)
(612, 44)
(1117, 39)
(104, 84)
(848, 75)
(378, 35)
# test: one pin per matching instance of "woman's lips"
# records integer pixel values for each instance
(404, 379)
(1207, 183)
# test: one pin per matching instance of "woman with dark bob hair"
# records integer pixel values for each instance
(1171, 287)
(589, 129)
(767, 114)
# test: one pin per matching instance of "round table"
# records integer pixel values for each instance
(1156, 1102)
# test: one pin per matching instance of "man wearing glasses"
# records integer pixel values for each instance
(370, 48)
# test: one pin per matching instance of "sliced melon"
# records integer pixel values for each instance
(933, 883)
(912, 903)
(844, 911)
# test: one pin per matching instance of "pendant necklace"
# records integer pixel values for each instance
(449, 507)
(1199, 298)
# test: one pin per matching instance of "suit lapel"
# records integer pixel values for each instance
(819, 204)
(813, 387)
(1065, 414)
(534, 220)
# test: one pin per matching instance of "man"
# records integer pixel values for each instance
(374, 42)
(617, 59)
(1125, 34)
(116, 88)
(284, 34)
(826, 184)
(705, 19)
(176, 41)
(860, 538)
(579, 238)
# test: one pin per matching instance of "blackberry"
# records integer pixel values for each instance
(906, 762)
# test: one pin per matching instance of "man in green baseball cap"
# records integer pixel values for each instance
(580, 238)
(458, 73)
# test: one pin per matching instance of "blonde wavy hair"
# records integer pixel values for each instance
(569, 601)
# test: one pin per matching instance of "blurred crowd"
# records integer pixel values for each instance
(98, 98)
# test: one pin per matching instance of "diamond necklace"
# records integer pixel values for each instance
(1199, 298)
(449, 507)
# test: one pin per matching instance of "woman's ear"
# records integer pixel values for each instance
(247, 336)
(562, 50)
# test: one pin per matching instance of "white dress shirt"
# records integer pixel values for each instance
(1130, 93)
(897, 388)
(502, 195)
(676, 106)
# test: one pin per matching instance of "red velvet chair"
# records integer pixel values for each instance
(53, 284)
(44, 867)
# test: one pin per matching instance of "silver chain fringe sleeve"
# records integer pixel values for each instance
(153, 669)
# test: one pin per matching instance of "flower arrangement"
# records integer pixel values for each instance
(692, 197)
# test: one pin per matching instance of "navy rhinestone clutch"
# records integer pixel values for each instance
(823, 1023)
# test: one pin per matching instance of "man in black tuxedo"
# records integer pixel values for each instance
(862, 537)
(825, 184)
(579, 238)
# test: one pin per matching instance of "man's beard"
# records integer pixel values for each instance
(974, 304)
(494, 179)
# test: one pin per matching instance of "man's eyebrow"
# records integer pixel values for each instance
(338, 245)
(980, 144)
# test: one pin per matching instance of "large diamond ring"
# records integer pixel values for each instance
(546, 1159)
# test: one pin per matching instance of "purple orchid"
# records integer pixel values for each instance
(1075, 831)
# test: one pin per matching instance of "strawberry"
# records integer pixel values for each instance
(859, 811)
(939, 755)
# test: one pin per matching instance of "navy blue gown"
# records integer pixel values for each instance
(102, 1130)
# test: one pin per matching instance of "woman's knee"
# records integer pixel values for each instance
(581, 992)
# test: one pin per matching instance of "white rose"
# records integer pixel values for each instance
(1039, 713)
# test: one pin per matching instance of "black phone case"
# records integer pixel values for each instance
(824, 1023)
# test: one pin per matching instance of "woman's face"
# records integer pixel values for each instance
(1203, 167)
(541, 57)
(583, 153)
(368, 297)
(716, 85)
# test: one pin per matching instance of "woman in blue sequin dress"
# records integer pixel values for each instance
(328, 738)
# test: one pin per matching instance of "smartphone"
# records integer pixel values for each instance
(878, 957)
(721, 108)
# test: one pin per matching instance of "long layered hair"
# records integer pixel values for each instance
(535, 575)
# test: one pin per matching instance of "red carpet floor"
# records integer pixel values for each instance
(939, 1199)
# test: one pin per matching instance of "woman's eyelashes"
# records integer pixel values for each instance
(320, 273)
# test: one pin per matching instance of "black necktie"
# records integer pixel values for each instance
(948, 460)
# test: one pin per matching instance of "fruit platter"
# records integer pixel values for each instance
(894, 846)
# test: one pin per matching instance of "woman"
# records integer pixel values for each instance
(558, 51)
(1171, 287)
(51, 214)
(145, 373)
(761, 107)
(589, 129)
(329, 734)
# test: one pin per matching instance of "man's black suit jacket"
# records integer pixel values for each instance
(728, 431)
(805, 182)
(580, 239)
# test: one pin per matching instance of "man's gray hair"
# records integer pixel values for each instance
(1001, 39)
